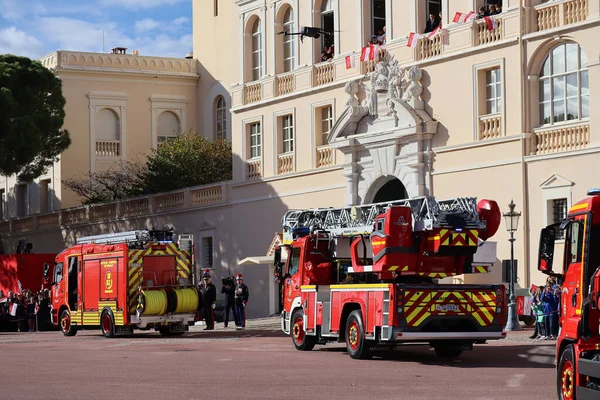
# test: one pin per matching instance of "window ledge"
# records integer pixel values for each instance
(561, 124)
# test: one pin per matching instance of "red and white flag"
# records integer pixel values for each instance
(372, 51)
(365, 54)
(413, 39)
(460, 17)
(350, 62)
(490, 22)
(13, 309)
(434, 32)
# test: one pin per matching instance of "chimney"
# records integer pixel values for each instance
(135, 52)
(189, 55)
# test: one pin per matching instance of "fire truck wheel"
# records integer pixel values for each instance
(447, 350)
(301, 340)
(65, 324)
(108, 324)
(356, 343)
(565, 379)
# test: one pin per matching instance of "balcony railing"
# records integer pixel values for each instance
(490, 126)
(323, 73)
(252, 93)
(428, 48)
(110, 148)
(559, 13)
(556, 140)
(325, 156)
(254, 169)
(486, 36)
(284, 84)
(199, 196)
(285, 163)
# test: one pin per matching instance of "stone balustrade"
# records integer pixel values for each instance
(428, 48)
(284, 83)
(285, 163)
(490, 126)
(252, 93)
(325, 156)
(486, 36)
(559, 139)
(254, 169)
(323, 73)
(554, 14)
(189, 198)
(108, 148)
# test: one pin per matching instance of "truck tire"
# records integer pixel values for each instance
(565, 379)
(357, 345)
(301, 340)
(66, 327)
(107, 323)
(447, 350)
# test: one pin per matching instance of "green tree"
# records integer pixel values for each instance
(31, 117)
(188, 160)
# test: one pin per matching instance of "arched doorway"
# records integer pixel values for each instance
(391, 190)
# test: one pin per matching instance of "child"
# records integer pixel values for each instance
(539, 316)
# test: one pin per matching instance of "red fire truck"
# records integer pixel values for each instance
(368, 275)
(578, 344)
(137, 279)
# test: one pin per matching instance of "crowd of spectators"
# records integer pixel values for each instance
(546, 308)
(25, 311)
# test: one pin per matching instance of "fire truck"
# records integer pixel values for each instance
(124, 281)
(369, 275)
(578, 343)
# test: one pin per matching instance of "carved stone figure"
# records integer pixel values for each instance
(396, 75)
(352, 88)
(414, 89)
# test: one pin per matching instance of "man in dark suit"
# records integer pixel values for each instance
(432, 23)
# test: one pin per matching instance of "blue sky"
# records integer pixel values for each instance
(34, 28)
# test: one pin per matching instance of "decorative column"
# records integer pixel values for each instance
(92, 139)
(123, 112)
(389, 22)
(263, 22)
(242, 49)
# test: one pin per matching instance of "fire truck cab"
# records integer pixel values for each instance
(125, 281)
(578, 343)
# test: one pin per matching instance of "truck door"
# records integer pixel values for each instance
(572, 293)
(58, 288)
(293, 280)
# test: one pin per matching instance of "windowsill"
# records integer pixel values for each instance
(562, 124)
(255, 159)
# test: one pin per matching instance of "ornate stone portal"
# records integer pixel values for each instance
(386, 135)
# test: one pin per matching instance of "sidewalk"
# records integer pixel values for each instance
(266, 323)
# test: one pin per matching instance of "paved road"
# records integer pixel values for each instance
(261, 363)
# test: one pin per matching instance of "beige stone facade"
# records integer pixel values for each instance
(503, 114)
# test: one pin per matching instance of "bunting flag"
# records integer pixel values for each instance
(365, 54)
(413, 40)
(350, 62)
(460, 17)
(434, 32)
(490, 22)
(13, 309)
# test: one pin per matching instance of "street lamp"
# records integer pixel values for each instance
(512, 222)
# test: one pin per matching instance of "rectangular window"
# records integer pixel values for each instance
(326, 124)
(575, 242)
(255, 140)
(559, 213)
(45, 196)
(378, 23)
(493, 91)
(2, 204)
(207, 252)
(434, 7)
(22, 200)
(287, 134)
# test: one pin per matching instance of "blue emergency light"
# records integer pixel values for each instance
(594, 192)
(300, 232)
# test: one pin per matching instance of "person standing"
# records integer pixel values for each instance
(229, 290)
(241, 298)
(208, 292)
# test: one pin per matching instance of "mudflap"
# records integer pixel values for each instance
(123, 330)
(174, 328)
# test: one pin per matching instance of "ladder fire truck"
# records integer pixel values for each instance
(138, 279)
(368, 275)
(578, 343)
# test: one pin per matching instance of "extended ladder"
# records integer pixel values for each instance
(427, 212)
(113, 238)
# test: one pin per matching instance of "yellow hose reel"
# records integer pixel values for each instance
(152, 302)
(187, 300)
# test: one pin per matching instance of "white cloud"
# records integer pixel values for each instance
(14, 10)
(14, 41)
(138, 4)
(146, 25)
(181, 20)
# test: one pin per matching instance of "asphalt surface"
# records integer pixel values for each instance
(261, 363)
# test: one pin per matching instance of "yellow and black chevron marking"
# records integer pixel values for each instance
(422, 304)
(119, 316)
(480, 269)
(436, 275)
(135, 281)
(449, 237)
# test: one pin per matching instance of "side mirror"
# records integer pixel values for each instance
(277, 260)
(46, 269)
(595, 290)
(546, 250)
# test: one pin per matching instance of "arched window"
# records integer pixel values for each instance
(327, 23)
(168, 126)
(564, 85)
(256, 50)
(288, 40)
(220, 118)
(108, 134)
